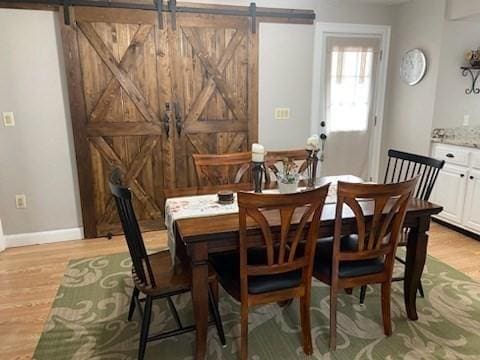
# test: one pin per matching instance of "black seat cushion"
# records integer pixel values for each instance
(227, 267)
(323, 259)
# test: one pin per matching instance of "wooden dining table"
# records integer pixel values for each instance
(197, 238)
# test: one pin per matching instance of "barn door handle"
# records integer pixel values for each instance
(178, 119)
(166, 120)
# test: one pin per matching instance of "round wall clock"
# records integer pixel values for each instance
(413, 66)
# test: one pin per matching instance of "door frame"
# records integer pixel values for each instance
(383, 32)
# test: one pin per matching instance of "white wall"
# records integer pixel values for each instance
(410, 109)
(36, 156)
(285, 80)
(451, 101)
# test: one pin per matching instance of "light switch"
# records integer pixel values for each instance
(21, 201)
(466, 120)
(282, 113)
(8, 119)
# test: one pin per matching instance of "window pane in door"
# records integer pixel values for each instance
(349, 87)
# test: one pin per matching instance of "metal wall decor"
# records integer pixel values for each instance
(474, 72)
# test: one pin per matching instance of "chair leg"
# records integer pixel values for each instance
(420, 289)
(147, 313)
(216, 315)
(131, 310)
(363, 294)
(333, 318)
(244, 332)
(306, 326)
(386, 314)
(215, 291)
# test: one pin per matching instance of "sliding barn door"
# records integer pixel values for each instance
(144, 99)
(117, 55)
(214, 89)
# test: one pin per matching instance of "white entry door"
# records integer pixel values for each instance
(351, 70)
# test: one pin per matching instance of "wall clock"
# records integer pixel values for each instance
(413, 66)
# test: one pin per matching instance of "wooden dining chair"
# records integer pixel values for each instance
(368, 255)
(403, 166)
(154, 276)
(273, 264)
(274, 158)
(222, 169)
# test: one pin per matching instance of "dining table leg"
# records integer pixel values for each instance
(415, 262)
(199, 259)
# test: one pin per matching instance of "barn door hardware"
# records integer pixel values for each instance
(252, 9)
(159, 6)
(178, 119)
(166, 120)
(254, 12)
(66, 11)
(172, 7)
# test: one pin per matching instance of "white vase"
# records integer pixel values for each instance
(287, 188)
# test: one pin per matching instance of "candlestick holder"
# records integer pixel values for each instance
(312, 163)
(258, 169)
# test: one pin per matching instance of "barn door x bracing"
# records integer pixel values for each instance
(214, 78)
(144, 99)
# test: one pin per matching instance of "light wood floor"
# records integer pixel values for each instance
(30, 276)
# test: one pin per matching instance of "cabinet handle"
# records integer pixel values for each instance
(462, 175)
(450, 155)
(472, 178)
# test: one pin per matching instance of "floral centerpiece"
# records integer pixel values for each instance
(473, 57)
(288, 177)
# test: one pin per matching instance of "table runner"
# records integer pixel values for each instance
(186, 207)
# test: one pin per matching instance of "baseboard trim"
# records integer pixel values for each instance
(457, 228)
(43, 237)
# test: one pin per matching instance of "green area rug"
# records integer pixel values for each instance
(89, 321)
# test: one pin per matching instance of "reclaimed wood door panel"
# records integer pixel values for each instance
(214, 67)
(118, 61)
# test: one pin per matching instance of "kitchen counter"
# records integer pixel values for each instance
(468, 136)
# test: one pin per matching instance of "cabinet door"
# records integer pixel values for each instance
(449, 191)
(472, 202)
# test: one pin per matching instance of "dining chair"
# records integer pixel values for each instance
(368, 255)
(274, 158)
(222, 169)
(273, 266)
(154, 275)
(402, 166)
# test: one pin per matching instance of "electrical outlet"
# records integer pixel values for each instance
(8, 119)
(466, 120)
(21, 201)
(282, 113)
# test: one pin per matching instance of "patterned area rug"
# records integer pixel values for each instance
(88, 321)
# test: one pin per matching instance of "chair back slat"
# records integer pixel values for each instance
(131, 229)
(403, 166)
(293, 212)
(378, 232)
(222, 169)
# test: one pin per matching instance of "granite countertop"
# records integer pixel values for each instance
(468, 136)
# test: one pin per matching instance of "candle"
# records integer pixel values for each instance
(258, 153)
(313, 142)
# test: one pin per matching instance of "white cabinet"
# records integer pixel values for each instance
(449, 191)
(458, 186)
(471, 218)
